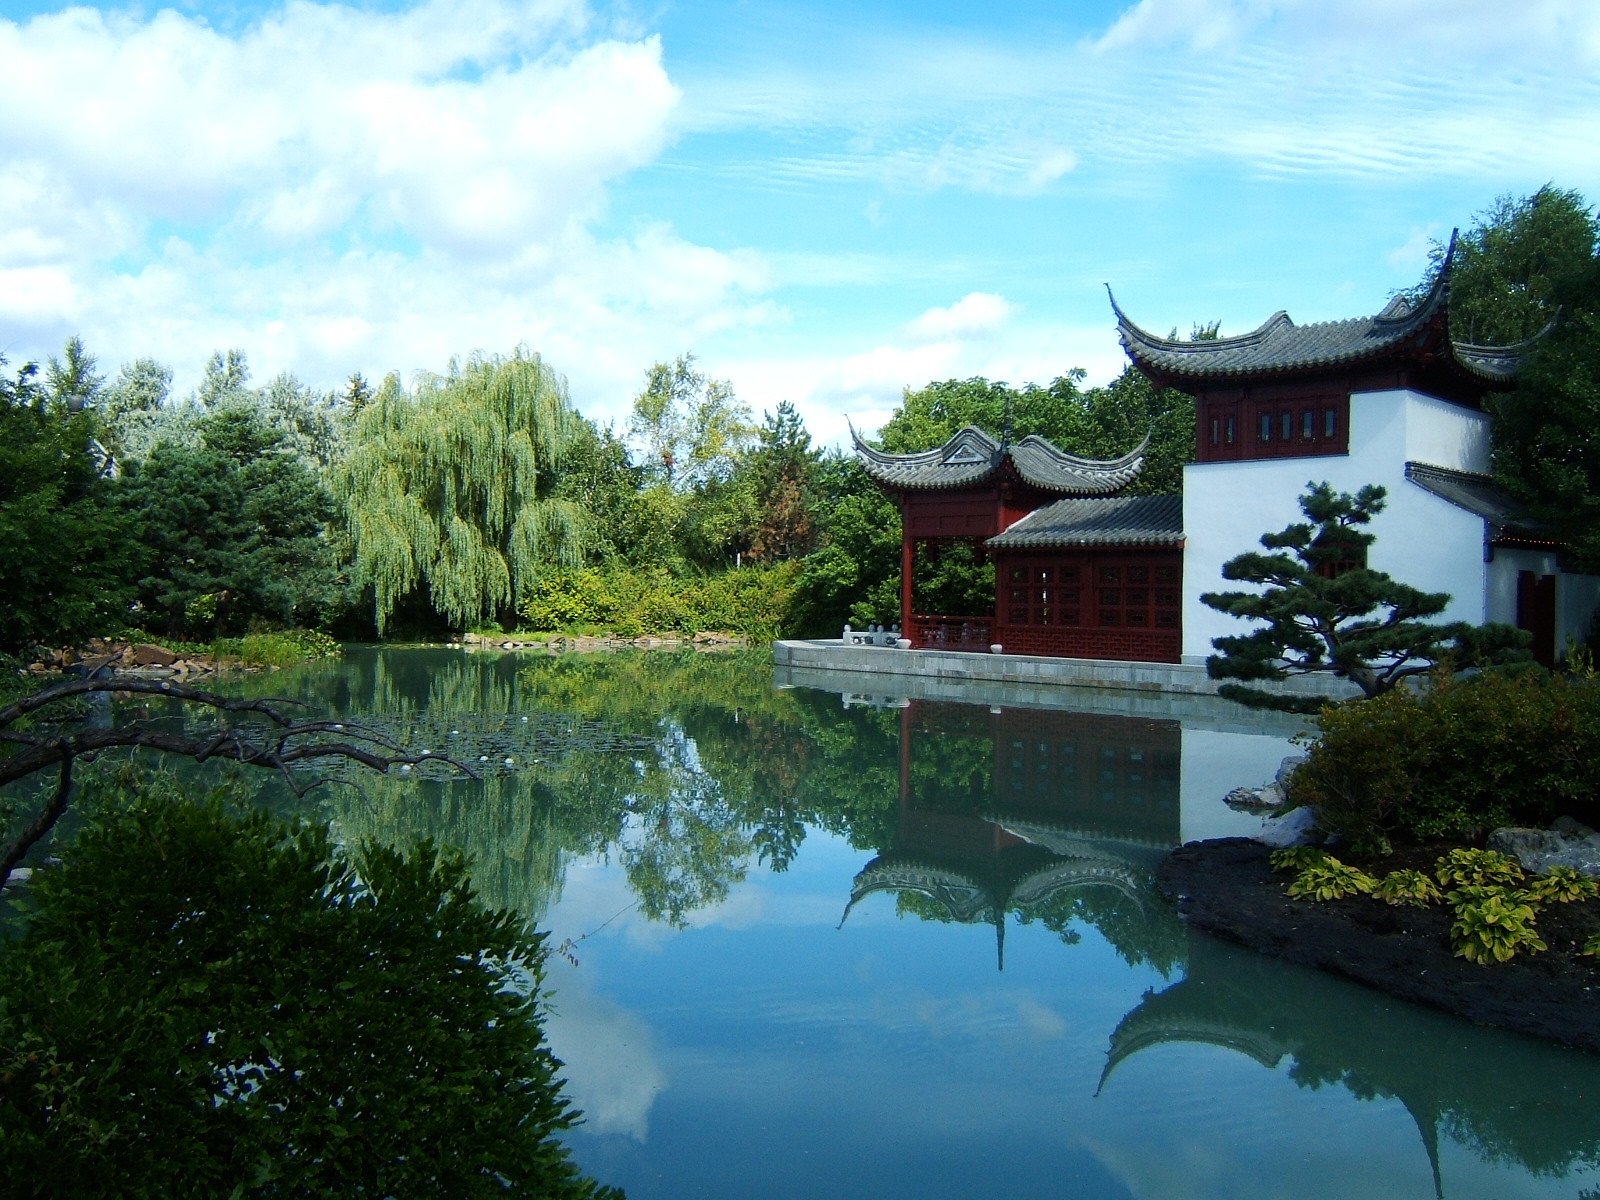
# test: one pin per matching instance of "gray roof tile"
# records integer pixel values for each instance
(1155, 521)
(1477, 494)
(1279, 345)
(972, 456)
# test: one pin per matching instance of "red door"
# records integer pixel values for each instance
(1536, 612)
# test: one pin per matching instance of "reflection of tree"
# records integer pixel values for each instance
(690, 767)
(1510, 1099)
(686, 767)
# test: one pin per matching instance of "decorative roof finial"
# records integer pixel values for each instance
(1005, 434)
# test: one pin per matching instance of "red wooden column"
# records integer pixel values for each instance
(908, 556)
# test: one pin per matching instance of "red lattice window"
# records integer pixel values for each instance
(1093, 604)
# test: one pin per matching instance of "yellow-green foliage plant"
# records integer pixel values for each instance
(1331, 879)
(1408, 886)
(1467, 867)
(1494, 905)
(1562, 885)
(1492, 923)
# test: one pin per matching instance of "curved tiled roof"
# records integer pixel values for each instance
(1279, 345)
(972, 456)
(1113, 521)
(1478, 495)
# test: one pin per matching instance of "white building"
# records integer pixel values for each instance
(1388, 400)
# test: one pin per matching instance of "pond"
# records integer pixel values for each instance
(810, 942)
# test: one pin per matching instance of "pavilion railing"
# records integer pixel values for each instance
(950, 633)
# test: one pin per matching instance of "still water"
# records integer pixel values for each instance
(818, 943)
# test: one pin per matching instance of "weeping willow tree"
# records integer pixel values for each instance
(450, 488)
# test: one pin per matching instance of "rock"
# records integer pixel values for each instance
(1297, 827)
(1568, 844)
(1568, 827)
(1286, 768)
(146, 655)
(1526, 845)
(1261, 799)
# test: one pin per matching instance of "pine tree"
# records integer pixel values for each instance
(1323, 611)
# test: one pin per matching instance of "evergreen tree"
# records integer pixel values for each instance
(72, 380)
(133, 412)
(452, 491)
(235, 526)
(69, 552)
(1323, 611)
(783, 469)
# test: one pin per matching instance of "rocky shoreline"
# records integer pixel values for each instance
(99, 657)
(1227, 888)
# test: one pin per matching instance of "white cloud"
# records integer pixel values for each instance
(974, 313)
(334, 189)
(1411, 258)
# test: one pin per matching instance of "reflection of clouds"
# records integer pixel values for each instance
(1040, 1018)
(596, 897)
(612, 1070)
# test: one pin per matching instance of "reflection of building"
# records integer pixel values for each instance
(1013, 810)
(1509, 1097)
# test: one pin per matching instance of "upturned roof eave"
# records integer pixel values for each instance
(1055, 471)
(1172, 362)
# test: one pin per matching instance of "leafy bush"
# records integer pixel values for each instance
(208, 1002)
(1407, 886)
(1468, 867)
(1562, 885)
(1462, 756)
(1331, 879)
(283, 649)
(1493, 918)
(750, 601)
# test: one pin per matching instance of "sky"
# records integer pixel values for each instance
(825, 203)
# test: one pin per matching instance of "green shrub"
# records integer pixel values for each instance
(205, 1001)
(1492, 917)
(1455, 759)
(1562, 885)
(749, 601)
(1468, 867)
(1331, 879)
(281, 649)
(1492, 923)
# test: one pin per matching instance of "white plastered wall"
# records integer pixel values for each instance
(1421, 539)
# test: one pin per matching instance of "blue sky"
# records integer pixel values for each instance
(826, 203)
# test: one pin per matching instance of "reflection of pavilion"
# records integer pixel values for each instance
(1008, 810)
(1508, 1096)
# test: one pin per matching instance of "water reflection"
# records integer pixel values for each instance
(1511, 1099)
(691, 834)
(1057, 817)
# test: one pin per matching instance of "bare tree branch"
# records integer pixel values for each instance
(275, 741)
